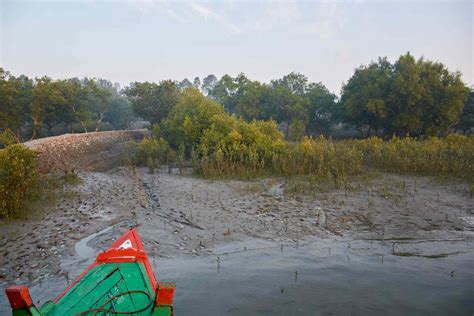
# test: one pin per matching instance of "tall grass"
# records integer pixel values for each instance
(318, 158)
(449, 156)
(338, 161)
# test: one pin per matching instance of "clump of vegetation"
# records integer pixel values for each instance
(130, 154)
(23, 188)
(70, 177)
(7, 138)
(153, 152)
(31, 108)
(449, 156)
(222, 145)
(249, 150)
(19, 181)
(409, 97)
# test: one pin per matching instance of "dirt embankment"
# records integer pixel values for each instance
(97, 151)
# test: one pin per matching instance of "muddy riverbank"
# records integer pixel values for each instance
(183, 217)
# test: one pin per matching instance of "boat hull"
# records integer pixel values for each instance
(119, 281)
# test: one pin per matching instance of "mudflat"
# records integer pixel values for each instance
(181, 215)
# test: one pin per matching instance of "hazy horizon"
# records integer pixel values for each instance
(126, 41)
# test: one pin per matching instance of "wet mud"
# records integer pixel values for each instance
(203, 223)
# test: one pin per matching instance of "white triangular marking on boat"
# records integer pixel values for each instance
(126, 244)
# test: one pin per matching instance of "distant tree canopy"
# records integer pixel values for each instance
(151, 101)
(290, 100)
(409, 97)
(466, 122)
(120, 113)
(44, 107)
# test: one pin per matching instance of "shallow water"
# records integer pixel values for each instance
(324, 278)
(319, 277)
(83, 250)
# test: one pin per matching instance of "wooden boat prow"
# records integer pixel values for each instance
(119, 280)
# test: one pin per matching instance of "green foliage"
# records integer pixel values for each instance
(47, 104)
(99, 99)
(363, 97)
(323, 109)
(189, 118)
(156, 131)
(208, 83)
(7, 138)
(407, 98)
(246, 151)
(153, 102)
(19, 181)
(450, 156)
(120, 113)
(70, 177)
(42, 107)
(153, 152)
(296, 130)
(284, 100)
(231, 145)
(294, 82)
(225, 146)
(410, 97)
(15, 99)
(321, 159)
(23, 189)
(131, 154)
(466, 121)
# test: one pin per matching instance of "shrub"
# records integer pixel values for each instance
(189, 118)
(131, 154)
(231, 146)
(19, 181)
(153, 152)
(7, 138)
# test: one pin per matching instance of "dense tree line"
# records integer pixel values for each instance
(466, 121)
(221, 145)
(43, 107)
(409, 97)
(299, 106)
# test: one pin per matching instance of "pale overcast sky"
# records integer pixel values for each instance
(126, 41)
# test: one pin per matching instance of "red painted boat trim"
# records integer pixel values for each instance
(19, 297)
(165, 294)
(128, 248)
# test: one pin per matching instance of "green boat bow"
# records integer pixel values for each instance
(119, 282)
